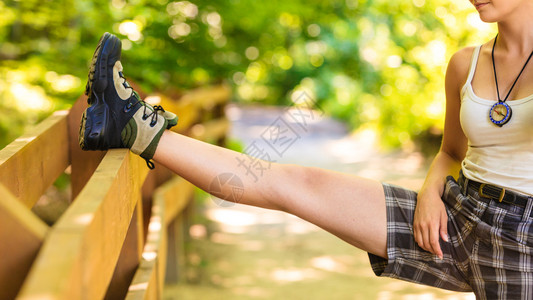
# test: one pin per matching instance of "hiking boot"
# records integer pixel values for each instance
(116, 116)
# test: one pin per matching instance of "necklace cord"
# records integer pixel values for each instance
(496, 77)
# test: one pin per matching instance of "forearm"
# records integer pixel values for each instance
(443, 165)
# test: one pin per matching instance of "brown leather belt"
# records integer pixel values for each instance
(493, 192)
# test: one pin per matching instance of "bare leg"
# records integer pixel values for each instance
(349, 207)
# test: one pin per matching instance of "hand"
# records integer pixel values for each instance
(430, 222)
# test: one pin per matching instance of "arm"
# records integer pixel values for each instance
(430, 220)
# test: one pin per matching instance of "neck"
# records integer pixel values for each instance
(515, 33)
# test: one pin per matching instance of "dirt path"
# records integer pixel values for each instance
(241, 252)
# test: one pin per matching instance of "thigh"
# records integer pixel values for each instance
(350, 207)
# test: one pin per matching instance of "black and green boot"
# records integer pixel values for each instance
(116, 116)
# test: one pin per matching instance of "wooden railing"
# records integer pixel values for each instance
(123, 231)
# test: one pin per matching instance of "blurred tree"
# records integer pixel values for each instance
(378, 64)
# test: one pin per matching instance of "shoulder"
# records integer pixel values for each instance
(460, 61)
(458, 67)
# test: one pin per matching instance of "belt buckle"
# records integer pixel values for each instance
(500, 198)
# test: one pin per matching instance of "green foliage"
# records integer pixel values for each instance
(373, 63)
(235, 145)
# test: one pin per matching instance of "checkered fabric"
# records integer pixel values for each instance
(489, 249)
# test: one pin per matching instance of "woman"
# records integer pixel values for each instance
(470, 235)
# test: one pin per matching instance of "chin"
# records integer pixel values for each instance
(488, 18)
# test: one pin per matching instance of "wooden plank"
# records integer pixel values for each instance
(177, 238)
(175, 249)
(211, 130)
(155, 179)
(172, 265)
(31, 163)
(80, 254)
(22, 234)
(130, 256)
(148, 280)
(189, 107)
(169, 199)
(83, 163)
(144, 284)
(204, 97)
(186, 111)
(208, 97)
(177, 194)
(156, 242)
(162, 259)
(157, 238)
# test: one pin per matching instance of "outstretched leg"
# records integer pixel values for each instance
(350, 207)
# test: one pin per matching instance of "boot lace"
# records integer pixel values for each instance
(152, 114)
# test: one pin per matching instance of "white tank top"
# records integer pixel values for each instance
(501, 156)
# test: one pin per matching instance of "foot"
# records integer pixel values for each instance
(116, 116)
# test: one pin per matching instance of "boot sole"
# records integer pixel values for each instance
(93, 127)
(95, 118)
(97, 81)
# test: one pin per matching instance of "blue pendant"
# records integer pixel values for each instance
(500, 113)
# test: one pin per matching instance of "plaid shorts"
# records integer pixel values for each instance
(489, 250)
